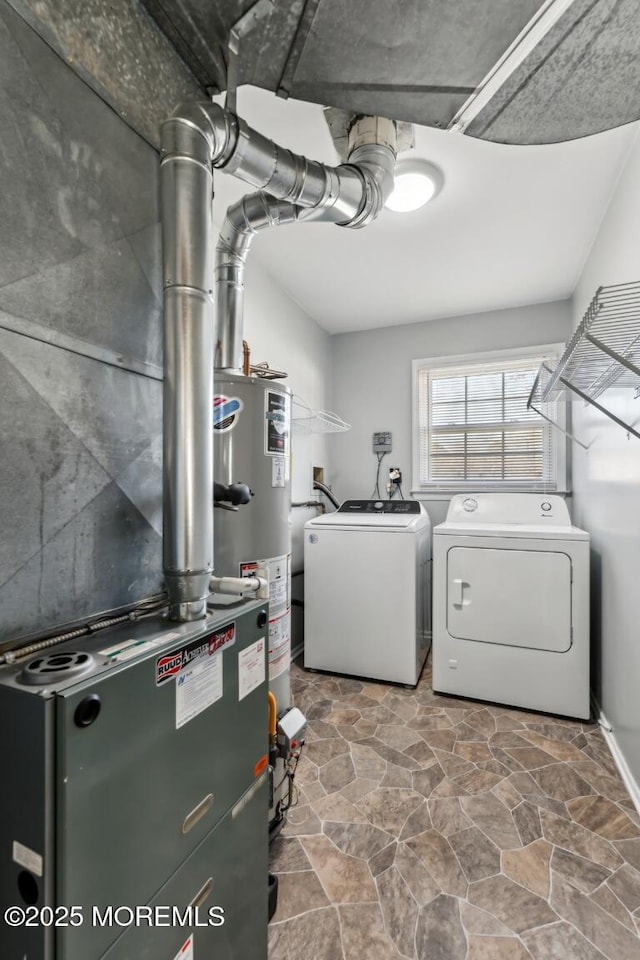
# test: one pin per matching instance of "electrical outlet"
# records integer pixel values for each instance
(382, 442)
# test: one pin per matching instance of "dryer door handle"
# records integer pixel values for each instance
(457, 592)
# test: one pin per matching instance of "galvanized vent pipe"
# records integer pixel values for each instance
(371, 154)
(195, 139)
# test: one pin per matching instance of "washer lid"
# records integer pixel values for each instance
(371, 521)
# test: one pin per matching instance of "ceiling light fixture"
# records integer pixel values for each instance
(416, 182)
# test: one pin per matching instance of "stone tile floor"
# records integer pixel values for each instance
(433, 828)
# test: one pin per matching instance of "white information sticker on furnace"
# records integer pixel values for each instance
(251, 668)
(186, 950)
(27, 858)
(198, 686)
(130, 648)
(278, 471)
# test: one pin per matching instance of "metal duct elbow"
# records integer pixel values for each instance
(244, 219)
(372, 149)
(351, 195)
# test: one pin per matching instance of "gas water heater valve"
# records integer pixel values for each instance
(291, 729)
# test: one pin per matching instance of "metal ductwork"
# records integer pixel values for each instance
(195, 139)
(372, 143)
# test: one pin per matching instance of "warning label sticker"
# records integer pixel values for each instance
(277, 571)
(198, 686)
(186, 950)
(279, 585)
(251, 668)
(279, 645)
(278, 472)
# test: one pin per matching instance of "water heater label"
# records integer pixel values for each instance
(277, 570)
(279, 645)
(251, 668)
(278, 472)
(226, 411)
(277, 426)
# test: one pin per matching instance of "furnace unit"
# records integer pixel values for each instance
(135, 775)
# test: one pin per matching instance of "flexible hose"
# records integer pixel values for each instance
(145, 608)
(317, 485)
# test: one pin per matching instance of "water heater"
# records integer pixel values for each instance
(252, 435)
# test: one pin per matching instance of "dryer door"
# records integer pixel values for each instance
(516, 597)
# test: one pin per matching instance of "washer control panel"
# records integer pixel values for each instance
(380, 506)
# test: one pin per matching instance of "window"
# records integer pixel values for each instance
(474, 428)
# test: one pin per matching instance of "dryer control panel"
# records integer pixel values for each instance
(380, 506)
(507, 508)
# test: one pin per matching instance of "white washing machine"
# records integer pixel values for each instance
(511, 603)
(367, 593)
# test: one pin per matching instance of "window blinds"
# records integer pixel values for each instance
(474, 425)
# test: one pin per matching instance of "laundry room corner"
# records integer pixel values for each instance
(606, 491)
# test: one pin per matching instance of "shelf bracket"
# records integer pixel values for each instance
(531, 406)
(598, 406)
(611, 353)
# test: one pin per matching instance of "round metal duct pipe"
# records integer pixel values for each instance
(195, 139)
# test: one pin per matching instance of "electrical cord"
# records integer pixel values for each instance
(284, 806)
(376, 489)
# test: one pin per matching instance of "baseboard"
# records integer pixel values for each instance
(628, 778)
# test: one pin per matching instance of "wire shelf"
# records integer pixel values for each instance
(306, 420)
(603, 352)
(605, 349)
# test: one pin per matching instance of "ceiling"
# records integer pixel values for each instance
(420, 60)
(526, 186)
(511, 225)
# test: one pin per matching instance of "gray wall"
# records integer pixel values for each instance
(117, 48)
(80, 346)
(372, 383)
(279, 332)
(81, 332)
(607, 486)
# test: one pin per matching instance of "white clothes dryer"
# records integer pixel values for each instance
(511, 603)
(367, 591)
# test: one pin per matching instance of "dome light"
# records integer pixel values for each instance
(416, 182)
